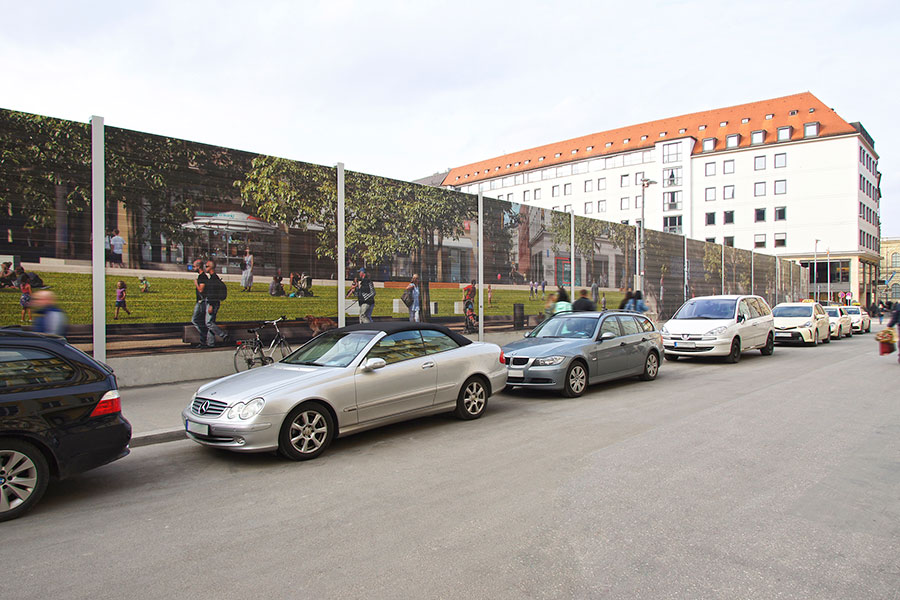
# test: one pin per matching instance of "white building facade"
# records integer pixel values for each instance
(786, 177)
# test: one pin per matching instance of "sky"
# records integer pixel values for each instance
(407, 89)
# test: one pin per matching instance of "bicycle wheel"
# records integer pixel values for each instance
(284, 348)
(244, 359)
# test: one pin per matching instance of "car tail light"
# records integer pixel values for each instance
(110, 404)
(502, 358)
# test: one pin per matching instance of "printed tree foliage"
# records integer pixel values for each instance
(44, 161)
(501, 221)
(590, 235)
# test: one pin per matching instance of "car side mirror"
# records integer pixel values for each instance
(374, 363)
(607, 335)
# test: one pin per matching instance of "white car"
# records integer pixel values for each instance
(859, 319)
(841, 325)
(802, 322)
(720, 326)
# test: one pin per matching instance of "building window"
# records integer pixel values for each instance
(710, 218)
(759, 163)
(711, 240)
(537, 194)
(588, 208)
(624, 202)
(728, 192)
(780, 187)
(589, 185)
(895, 291)
(759, 188)
(759, 215)
(555, 208)
(733, 140)
(601, 206)
(637, 201)
(709, 144)
(672, 224)
(672, 153)
(728, 240)
(780, 160)
(759, 240)
(780, 240)
(710, 194)
(672, 177)
(601, 184)
(781, 213)
(728, 167)
(758, 137)
(624, 181)
(811, 129)
(567, 208)
(784, 134)
(554, 191)
(671, 201)
(567, 189)
(710, 169)
(638, 177)
(769, 117)
(624, 221)
(895, 260)
(526, 196)
(728, 217)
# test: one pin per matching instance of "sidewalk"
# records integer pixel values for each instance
(155, 410)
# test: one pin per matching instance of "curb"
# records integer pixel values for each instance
(158, 436)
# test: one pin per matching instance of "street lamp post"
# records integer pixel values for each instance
(645, 183)
(816, 270)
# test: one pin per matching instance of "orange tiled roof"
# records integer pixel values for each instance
(613, 141)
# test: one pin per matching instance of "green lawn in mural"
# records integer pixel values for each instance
(172, 301)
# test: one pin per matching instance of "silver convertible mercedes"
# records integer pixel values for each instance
(572, 350)
(345, 381)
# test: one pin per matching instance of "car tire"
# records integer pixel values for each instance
(815, 341)
(472, 399)
(651, 367)
(576, 379)
(20, 460)
(306, 432)
(869, 328)
(840, 333)
(734, 355)
(769, 348)
(850, 332)
(827, 339)
(672, 357)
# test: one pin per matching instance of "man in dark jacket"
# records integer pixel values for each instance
(48, 318)
(365, 294)
(583, 302)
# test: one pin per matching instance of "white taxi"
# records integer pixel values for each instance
(841, 325)
(859, 319)
(801, 322)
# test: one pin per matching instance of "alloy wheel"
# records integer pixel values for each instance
(18, 479)
(474, 398)
(577, 379)
(309, 432)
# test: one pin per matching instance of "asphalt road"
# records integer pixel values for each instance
(778, 477)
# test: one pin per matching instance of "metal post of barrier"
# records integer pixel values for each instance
(480, 266)
(752, 274)
(98, 228)
(723, 269)
(572, 255)
(685, 267)
(341, 246)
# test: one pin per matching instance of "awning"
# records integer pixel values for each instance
(233, 220)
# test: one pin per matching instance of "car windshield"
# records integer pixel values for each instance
(832, 312)
(569, 327)
(707, 308)
(332, 349)
(792, 311)
(853, 310)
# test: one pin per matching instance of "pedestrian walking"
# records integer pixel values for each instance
(216, 293)
(550, 306)
(490, 295)
(120, 299)
(603, 301)
(636, 303)
(117, 248)
(583, 303)
(413, 294)
(562, 303)
(628, 295)
(595, 292)
(247, 271)
(198, 318)
(365, 294)
(49, 318)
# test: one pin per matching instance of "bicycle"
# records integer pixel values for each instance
(253, 353)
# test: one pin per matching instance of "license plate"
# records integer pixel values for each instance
(199, 428)
(685, 345)
(782, 335)
(515, 373)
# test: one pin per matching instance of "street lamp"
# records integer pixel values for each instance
(645, 183)
(816, 270)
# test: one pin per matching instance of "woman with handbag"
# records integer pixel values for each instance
(411, 299)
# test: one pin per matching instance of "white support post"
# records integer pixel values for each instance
(480, 267)
(723, 269)
(572, 256)
(341, 247)
(98, 229)
(686, 269)
(752, 273)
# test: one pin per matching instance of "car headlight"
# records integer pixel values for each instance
(548, 361)
(245, 411)
(664, 330)
(807, 324)
(717, 330)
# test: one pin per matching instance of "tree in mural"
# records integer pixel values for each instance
(590, 235)
(737, 270)
(712, 264)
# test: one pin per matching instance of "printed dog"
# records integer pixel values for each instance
(319, 324)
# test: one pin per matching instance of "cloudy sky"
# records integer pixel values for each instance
(405, 89)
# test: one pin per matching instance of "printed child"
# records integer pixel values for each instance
(25, 299)
(120, 299)
(145, 285)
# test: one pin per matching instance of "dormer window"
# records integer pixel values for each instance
(682, 130)
(643, 137)
(626, 140)
(745, 120)
(608, 144)
(769, 117)
(575, 151)
(733, 140)
(541, 158)
(517, 164)
(757, 137)
(557, 155)
(793, 113)
(812, 110)
(528, 161)
(811, 129)
(702, 127)
(509, 165)
(662, 134)
(784, 133)
(589, 148)
(723, 123)
(709, 144)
